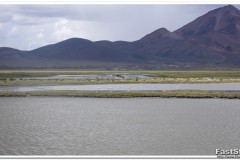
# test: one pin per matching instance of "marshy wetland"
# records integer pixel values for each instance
(127, 83)
(55, 77)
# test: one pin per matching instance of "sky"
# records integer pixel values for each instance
(27, 27)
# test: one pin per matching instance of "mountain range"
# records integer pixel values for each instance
(210, 41)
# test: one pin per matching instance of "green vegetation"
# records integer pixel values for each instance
(163, 94)
(166, 74)
(23, 77)
(31, 77)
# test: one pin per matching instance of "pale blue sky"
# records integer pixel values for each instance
(30, 26)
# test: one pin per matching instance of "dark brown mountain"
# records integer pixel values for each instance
(225, 20)
(218, 31)
(210, 41)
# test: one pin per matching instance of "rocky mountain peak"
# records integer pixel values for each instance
(224, 20)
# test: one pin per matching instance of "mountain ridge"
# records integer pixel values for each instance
(211, 40)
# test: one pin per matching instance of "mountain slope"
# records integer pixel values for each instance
(212, 40)
(217, 31)
(224, 20)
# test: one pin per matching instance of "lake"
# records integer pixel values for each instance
(95, 76)
(130, 87)
(111, 126)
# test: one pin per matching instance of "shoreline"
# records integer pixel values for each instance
(43, 77)
(57, 83)
(161, 94)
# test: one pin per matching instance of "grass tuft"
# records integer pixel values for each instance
(163, 94)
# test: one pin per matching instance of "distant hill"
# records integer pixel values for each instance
(210, 41)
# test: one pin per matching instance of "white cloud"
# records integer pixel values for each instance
(62, 30)
(17, 18)
(13, 31)
(40, 36)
